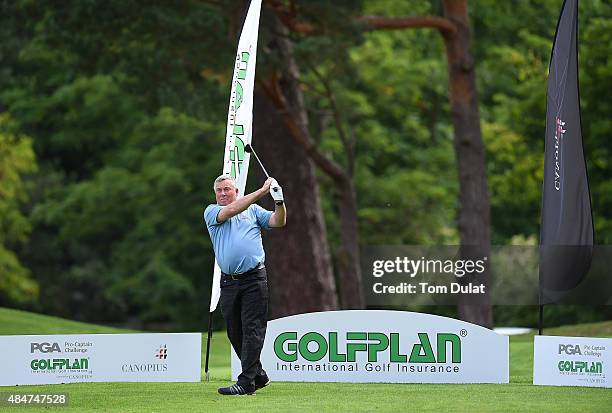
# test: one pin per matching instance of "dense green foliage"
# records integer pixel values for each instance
(124, 109)
(16, 158)
(391, 95)
(124, 104)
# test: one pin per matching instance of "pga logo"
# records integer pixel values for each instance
(45, 348)
(569, 349)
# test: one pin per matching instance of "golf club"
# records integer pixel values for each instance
(250, 149)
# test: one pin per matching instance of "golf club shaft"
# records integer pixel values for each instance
(260, 164)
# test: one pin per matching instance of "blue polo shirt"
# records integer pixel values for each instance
(237, 241)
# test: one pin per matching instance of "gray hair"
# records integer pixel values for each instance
(224, 177)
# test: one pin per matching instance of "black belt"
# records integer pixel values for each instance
(252, 271)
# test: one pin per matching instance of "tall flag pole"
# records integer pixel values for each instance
(239, 129)
(566, 231)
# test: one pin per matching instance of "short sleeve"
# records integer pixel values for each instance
(262, 215)
(210, 215)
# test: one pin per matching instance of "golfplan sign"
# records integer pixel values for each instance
(381, 346)
(75, 358)
(572, 361)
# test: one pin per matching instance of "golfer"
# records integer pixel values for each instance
(234, 225)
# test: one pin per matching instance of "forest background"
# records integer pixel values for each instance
(112, 127)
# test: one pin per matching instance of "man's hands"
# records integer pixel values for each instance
(265, 188)
(277, 192)
(272, 187)
(279, 216)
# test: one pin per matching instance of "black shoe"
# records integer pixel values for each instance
(235, 390)
(261, 381)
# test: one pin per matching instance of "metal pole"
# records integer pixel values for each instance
(210, 319)
(541, 320)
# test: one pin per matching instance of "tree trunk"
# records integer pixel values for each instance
(290, 101)
(347, 256)
(297, 256)
(474, 212)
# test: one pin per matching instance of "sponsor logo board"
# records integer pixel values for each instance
(572, 361)
(101, 358)
(381, 346)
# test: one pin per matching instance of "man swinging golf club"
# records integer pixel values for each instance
(234, 225)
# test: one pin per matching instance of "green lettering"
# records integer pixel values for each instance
(313, 355)
(352, 348)
(236, 155)
(381, 345)
(279, 343)
(455, 347)
(425, 347)
(238, 130)
(334, 356)
(396, 356)
(239, 94)
(243, 71)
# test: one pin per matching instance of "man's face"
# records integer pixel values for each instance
(225, 192)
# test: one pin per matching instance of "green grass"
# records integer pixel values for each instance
(520, 395)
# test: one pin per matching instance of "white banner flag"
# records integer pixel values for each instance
(240, 117)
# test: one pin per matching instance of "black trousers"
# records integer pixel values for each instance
(244, 303)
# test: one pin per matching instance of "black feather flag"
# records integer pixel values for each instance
(566, 232)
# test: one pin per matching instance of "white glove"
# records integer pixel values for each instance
(277, 192)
